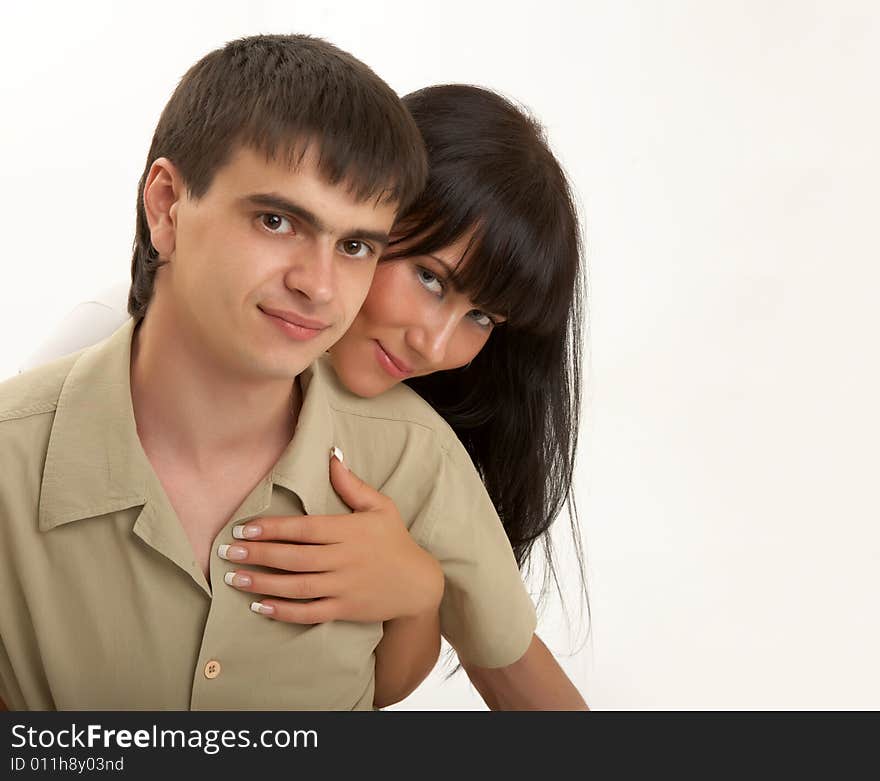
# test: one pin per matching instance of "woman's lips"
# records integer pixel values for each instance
(391, 364)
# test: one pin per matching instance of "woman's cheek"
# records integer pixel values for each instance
(470, 345)
(390, 300)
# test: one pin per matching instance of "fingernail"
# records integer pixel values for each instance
(232, 552)
(335, 451)
(242, 532)
(259, 607)
(240, 579)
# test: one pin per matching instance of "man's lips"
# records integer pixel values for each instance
(391, 363)
(295, 319)
(293, 325)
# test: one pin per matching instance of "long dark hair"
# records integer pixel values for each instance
(516, 406)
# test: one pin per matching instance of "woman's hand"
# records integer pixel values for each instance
(363, 566)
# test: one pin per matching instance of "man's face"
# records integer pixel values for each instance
(271, 265)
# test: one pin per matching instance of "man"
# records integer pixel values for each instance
(273, 179)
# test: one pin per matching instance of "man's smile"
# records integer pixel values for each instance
(294, 325)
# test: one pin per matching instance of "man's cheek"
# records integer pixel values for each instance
(333, 335)
(357, 295)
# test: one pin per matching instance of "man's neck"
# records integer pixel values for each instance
(192, 412)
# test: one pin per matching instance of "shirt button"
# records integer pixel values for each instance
(212, 669)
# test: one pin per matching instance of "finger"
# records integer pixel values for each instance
(300, 586)
(316, 612)
(321, 529)
(283, 555)
(351, 489)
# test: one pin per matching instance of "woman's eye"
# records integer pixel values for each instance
(429, 281)
(275, 223)
(355, 249)
(481, 318)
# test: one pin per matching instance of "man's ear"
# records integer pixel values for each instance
(163, 190)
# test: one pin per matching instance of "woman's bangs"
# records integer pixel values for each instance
(508, 272)
(509, 268)
(432, 227)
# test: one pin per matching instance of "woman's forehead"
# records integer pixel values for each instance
(452, 254)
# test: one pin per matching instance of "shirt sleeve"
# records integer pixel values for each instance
(486, 612)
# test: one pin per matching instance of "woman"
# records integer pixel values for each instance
(476, 305)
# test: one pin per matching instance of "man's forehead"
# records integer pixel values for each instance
(251, 173)
(253, 168)
(298, 162)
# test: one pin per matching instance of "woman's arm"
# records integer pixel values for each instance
(534, 682)
(405, 656)
(376, 544)
(409, 651)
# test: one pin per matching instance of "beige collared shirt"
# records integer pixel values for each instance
(103, 606)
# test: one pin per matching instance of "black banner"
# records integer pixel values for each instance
(401, 744)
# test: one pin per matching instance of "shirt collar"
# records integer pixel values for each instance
(304, 466)
(95, 463)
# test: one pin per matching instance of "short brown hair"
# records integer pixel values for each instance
(274, 93)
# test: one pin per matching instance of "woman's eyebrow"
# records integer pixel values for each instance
(452, 277)
(277, 202)
(453, 280)
(450, 271)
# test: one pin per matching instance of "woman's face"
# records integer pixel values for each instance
(413, 322)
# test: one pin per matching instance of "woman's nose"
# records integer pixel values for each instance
(431, 340)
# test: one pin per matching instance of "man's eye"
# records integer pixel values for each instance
(429, 280)
(355, 249)
(275, 223)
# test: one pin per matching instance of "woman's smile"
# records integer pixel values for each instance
(391, 363)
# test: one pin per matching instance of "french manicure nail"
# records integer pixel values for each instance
(259, 607)
(243, 532)
(335, 451)
(232, 552)
(241, 580)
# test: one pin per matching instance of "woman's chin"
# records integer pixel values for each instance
(365, 384)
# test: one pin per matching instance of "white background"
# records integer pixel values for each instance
(725, 157)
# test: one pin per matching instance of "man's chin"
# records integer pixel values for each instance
(289, 364)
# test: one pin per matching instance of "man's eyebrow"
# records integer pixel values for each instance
(278, 203)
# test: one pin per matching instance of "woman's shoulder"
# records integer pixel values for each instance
(88, 322)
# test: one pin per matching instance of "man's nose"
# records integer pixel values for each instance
(313, 272)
